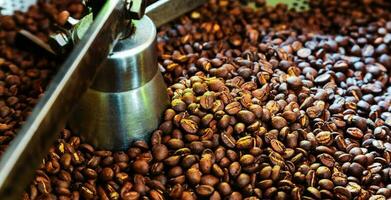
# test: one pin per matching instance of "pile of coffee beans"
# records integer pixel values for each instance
(23, 75)
(266, 103)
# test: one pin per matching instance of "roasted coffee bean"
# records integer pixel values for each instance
(274, 108)
(160, 152)
(323, 172)
(326, 159)
(224, 188)
(243, 180)
(324, 138)
(276, 159)
(209, 180)
(265, 172)
(141, 166)
(326, 184)
(246, 116)
(233, 108)
(204, 190)
(279, 122)
(304, 52)
(246, 142)
(189, 126)
(342, 193)
(355, 133)
(315, 193)
(277, 146)
(294, 82)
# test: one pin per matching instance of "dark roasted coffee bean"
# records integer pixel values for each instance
(141, 166)
(160, 152)
(273, 108)
(246, 116)
(342, 193)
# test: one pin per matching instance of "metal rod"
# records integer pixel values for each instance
(31, 144)
(36, 42)
(164, 11)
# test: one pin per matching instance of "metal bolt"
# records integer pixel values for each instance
(136, 8)
(60, 42)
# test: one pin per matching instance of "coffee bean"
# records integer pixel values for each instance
(209, 180)
(204, 190)
(207, 100)
(322, 79)
(224, 188)
(235, 196)
(246, 116)
(314, 192)
(279, 122)
(356, 169)
(246, 159)
(228, 140)
(304, 52)
(243, 180)
(323, 172)
(353, 188)
(160, 152)
(234, 169)
(265, 172)
(141, 166)
(355, 133)
(206, 164)
(326, 184)
(233, 108)
(276, 159)
(245, 143)
(294, 82)
(189, 126)
(277, 146)
(299, 114)
(339, 178)
(193, 175)
(326, 159)
(342, 192)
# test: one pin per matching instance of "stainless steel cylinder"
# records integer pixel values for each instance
(128, 96)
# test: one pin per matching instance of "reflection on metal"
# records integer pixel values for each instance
(128, 95)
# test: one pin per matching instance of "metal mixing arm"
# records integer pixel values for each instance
(49, 117)
(50, 114)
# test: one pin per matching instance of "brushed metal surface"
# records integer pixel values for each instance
(128, 96)
(115, 120)
(133, 61)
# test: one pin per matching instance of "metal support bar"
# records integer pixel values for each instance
(164, 11)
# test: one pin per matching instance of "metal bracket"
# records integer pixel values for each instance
(65, 39)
